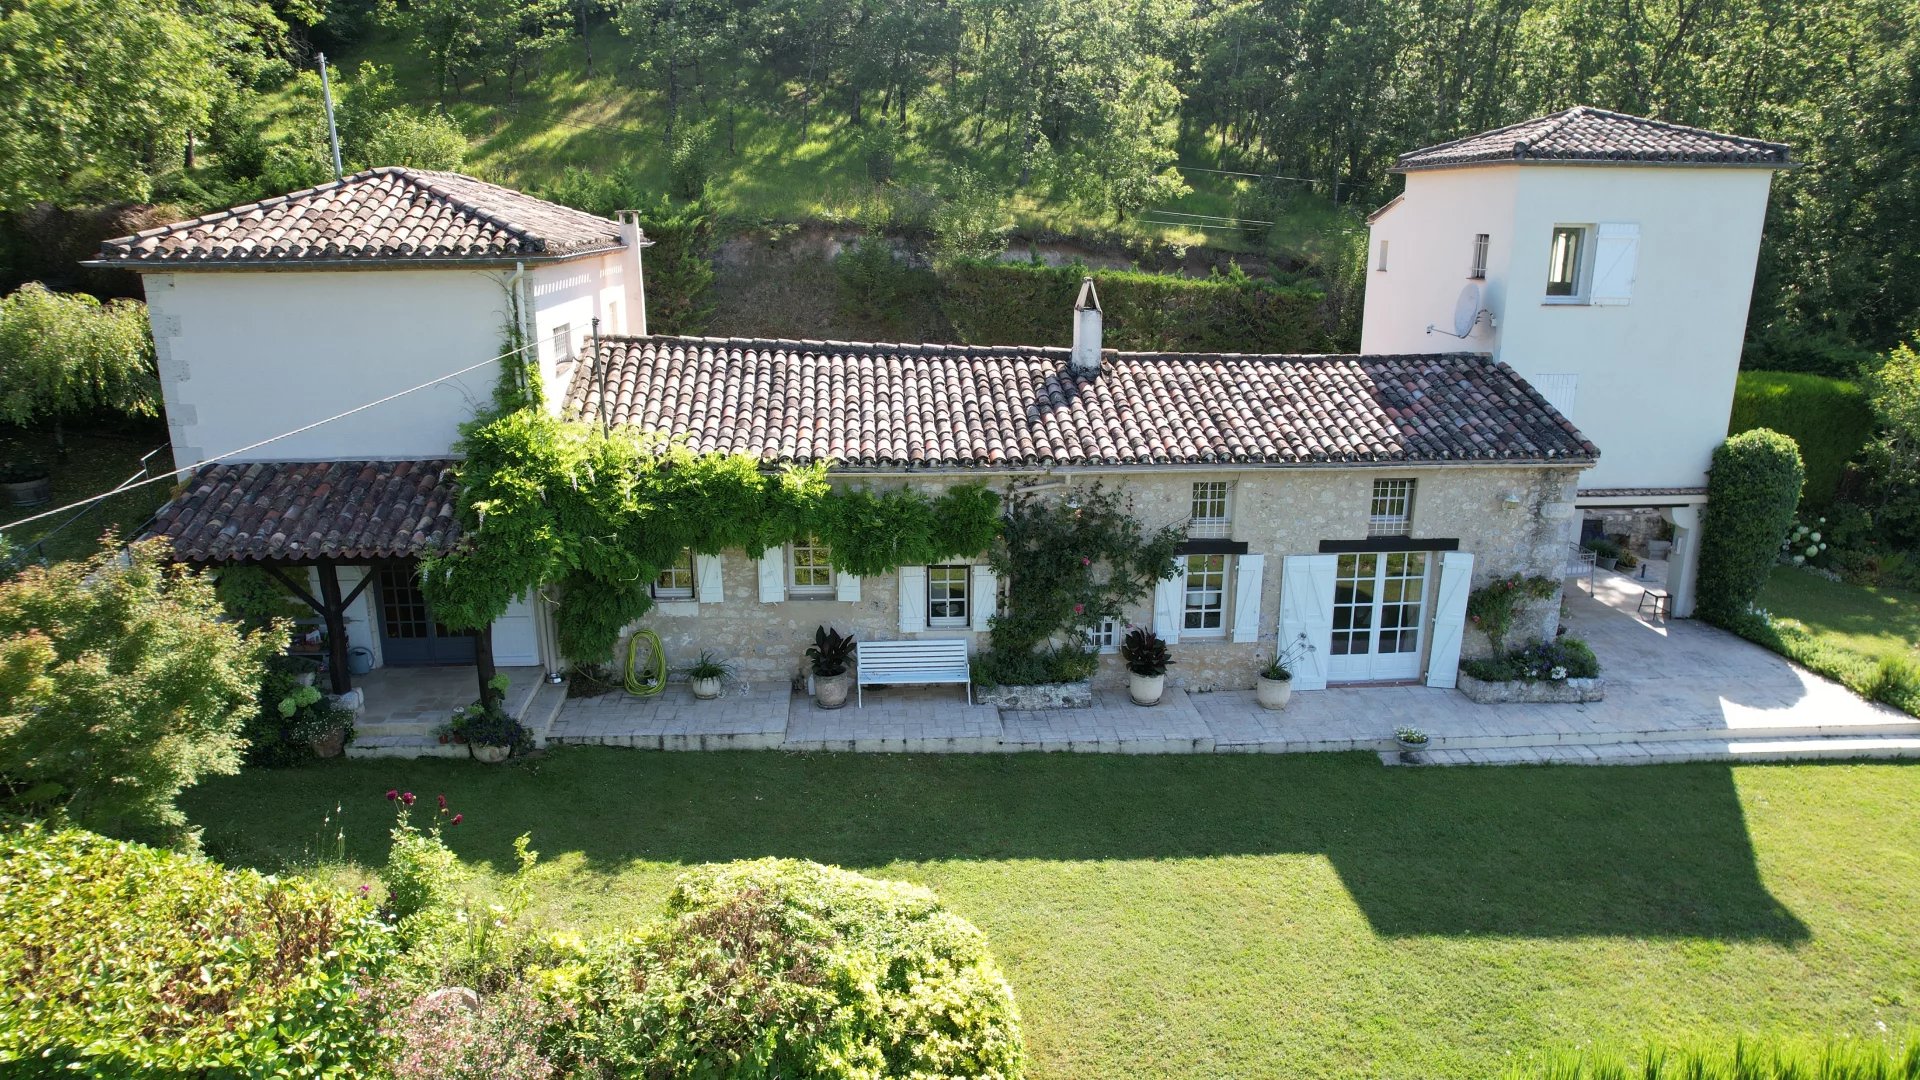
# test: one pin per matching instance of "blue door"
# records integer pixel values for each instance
(409, 634)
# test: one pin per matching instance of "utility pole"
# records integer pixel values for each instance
(333, 134)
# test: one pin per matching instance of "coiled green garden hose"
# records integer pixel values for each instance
(656, 670)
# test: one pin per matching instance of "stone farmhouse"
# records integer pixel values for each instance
(1586, 277)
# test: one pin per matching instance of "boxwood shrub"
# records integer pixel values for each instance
(785, 968)
(1830, 420)
(1752, 489)
(120, 960)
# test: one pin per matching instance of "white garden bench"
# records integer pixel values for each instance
(896, 663)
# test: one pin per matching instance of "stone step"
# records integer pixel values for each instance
(542, 709)
(1828, 748)
(405, 746)
(1890, 727)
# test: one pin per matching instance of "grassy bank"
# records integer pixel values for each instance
(1267, 916)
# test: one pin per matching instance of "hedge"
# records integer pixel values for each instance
(122, 960)
(1831, 419)
(996, 303)
(778, 967)
(1753, 487)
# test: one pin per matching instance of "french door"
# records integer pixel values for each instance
(409, 634)
(1379, 616)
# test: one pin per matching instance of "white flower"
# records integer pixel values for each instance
(1559, 673)
(1799, 559)
(1812, 550)
(1814, 537)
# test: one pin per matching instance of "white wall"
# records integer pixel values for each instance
(573, 294)
(1652, 379)
(244, 356)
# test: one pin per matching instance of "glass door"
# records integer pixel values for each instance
(1379, 616)
(409, 634)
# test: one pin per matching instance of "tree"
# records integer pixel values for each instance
(67, 353)
(121, 684)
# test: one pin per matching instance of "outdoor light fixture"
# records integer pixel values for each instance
(1510, 501)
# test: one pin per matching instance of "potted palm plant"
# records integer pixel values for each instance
(831, 656)
(1147, 660)
(1275, 686)
(708, 674)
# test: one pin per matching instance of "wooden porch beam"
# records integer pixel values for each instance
(483, 662)
(293, 587)
(335, 614)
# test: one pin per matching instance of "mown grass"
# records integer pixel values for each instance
(98, 459)
(1872, 621)
(1314, 916)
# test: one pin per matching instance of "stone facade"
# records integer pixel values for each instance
(1276, 512)
(1073, 695)
(1520, 691)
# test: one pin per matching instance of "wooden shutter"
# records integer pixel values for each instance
(1449, 618)
(913, 599)
(983, 596)
(1248, 575)
(1616, 251)
(706, 574)
(846, 587)
(773, 575)
(1306, 608)
(1560, 390)
(1170, 605)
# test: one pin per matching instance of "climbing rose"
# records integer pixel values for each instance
(1078, 608)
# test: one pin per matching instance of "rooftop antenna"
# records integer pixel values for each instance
(333, 133)
(1466, 313)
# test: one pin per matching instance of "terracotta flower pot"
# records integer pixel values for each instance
(1146, 689)
(490, 755)
(1273, 693)
(330, 745)
(830, 691)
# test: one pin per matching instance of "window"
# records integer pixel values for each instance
(1564, 261)
(1479, 267)
(1392, 511)
(1209, 516)
(1380, 260)
(809, 570)
(947, 596)
(1105, 636)
(1206, 613)
(562, 341)
(676, 582)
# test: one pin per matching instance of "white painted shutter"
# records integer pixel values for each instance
(515, 642)
(1306, 608)
(983, 594)
(1170, 605)
(1449, 618)
(846, 587)
(1560, 391)
(706, 572)
(773, 575)
(913, 599)
(1249, 572)
(1614, 257)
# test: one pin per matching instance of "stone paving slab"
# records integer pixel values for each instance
(745, 717)
(1113, 725)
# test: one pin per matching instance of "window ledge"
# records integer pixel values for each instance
(1565, 301)
(811, 594)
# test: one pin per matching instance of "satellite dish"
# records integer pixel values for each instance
(1466, 312)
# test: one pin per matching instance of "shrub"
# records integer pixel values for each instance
(420, 872)
(690, 162)
(289, 715)
(67, 353)
(785, 968)
(1492, 606)
(995, 303)
(1830, 419)
(1542, 661)
(969, 221)
(417, 140)
(443, 1039)
(1058, 664)
(1893, 681)
(1752, 489)
(122, 960)
(120, 685)
(879, 148)
(873, 282)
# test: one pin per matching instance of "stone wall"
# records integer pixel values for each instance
(1277, 512)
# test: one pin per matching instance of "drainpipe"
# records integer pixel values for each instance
(635, 278)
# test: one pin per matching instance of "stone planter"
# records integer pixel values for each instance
(1146, 689)
(1605, 563)
(705, 689)
(330, 745)
(1659, 549)
(830, 691)
(1411, 747)
(1273, 693)
(1564, 692)
(490, 755)
(1070, 695)
(35, 492)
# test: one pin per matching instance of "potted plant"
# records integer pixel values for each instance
(1410, 738)
(490, 734)
(1147, 661)
(831, 656)
(1606, 553)
(708, 674)
(1275, 686)
(25, 479)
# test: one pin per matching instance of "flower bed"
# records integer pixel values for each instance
(1066, 695)
(1548, 671)
(1511, 691)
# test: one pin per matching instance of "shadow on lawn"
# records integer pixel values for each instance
(1657, 851)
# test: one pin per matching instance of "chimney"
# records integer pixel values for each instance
(635, 276)
(1085, 358)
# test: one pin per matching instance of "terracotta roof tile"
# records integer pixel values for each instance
(388, 214)
(297, 510)
(965, 407)
(1587, 134)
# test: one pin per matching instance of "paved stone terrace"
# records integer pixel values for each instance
(1676, 690)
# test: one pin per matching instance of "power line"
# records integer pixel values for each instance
(1254, 175)
(263, 442)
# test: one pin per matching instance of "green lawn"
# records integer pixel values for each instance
(97, 460)
(1871, 621)
(1313, 916)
